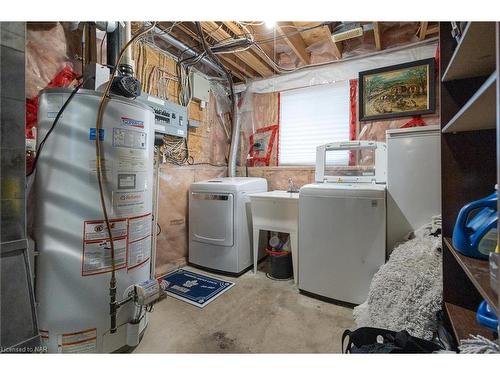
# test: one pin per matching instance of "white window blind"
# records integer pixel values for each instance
(310, 117)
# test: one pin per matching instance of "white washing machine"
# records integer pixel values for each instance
(342, 222)
(220, 223)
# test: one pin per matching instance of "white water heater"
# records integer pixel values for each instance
(74, 262)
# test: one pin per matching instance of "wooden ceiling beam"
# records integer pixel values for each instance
(236, 68)
(235, 29)
(376, 33)
(294, 41)
(432, 30)
(263, 54)
(423, 30)
(336, 47)
(214, 30)
(262, 34)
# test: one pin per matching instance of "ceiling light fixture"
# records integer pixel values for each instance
(270, 24)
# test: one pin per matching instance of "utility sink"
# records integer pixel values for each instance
(275, 194)
(276, 211)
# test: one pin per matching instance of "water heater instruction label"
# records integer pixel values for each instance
(78, 342)
(139, 240)
(129, 138)
(131, 160)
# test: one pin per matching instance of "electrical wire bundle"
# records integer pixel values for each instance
(175, 151)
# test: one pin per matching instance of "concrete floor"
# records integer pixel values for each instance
(257, 315)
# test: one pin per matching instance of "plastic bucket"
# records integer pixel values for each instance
(281, 264)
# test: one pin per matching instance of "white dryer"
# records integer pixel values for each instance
(342, 222)
(220, 223)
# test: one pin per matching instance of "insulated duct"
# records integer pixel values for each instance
(235, 137)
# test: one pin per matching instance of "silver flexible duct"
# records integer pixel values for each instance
(188, 51)
(235, 140)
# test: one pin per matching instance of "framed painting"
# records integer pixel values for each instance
(397, 91)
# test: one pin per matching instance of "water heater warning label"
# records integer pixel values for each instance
(132, 244)
(97, 246)
(97, 256)
(78, 342)
(97, 230)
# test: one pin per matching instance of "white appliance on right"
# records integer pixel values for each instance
(342, 221)
(413, 180)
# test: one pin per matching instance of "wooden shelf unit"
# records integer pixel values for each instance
(479, 112)
(463, 322)
(468, 163)
(477, 271)
(474, 55)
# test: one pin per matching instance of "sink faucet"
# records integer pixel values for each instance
(291, 187)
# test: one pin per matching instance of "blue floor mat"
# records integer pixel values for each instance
(194, 288)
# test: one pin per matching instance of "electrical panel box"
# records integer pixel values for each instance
(200, 87)
(170, 118)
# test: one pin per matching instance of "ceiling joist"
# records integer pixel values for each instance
(261, 52)
(376, 32)
(423, 30)
(219, 34)
(236, 69)
(337, 47)
(294, 41)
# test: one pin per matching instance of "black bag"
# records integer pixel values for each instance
(377, 340)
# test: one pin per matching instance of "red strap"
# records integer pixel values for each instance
(415, 121)
(353, 95)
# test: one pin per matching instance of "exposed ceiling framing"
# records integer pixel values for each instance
(262, 57)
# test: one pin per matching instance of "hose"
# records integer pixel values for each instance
(98, 152)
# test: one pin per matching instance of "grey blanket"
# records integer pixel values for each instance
(406, 292)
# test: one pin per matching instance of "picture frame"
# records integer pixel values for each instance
(400, 90)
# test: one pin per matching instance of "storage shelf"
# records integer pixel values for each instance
(463, 322)
(479, 112)
(477, 271)
(474, 55)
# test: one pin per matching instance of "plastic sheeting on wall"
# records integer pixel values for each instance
(172, 245)
(47, 53)
(340, 70)
(257, 111)
(392, 34)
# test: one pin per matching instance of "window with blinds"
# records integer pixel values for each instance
(310, 117)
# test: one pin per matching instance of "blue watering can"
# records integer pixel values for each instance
(476, 235)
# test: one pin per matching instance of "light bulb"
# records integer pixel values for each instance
(270, 24)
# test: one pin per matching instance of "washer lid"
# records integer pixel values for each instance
(357, 190)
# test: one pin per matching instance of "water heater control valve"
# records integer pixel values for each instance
(144, 293)
(147, 292)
